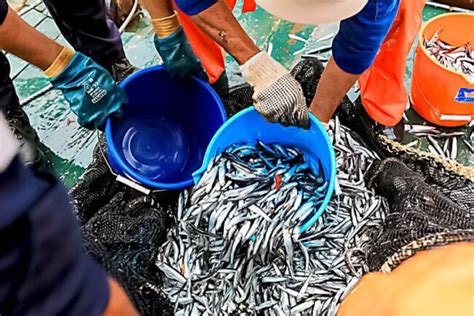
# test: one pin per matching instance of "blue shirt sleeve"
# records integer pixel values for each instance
(43, 269)
(193, 7)
(360, 37)
(3, 10)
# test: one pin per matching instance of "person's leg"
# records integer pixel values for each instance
(383, 100)
(210, 54)
(86, 26)
(8, 97)
(382, 86)
(17, 119)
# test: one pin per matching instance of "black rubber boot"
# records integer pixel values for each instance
(356, 118)
(122, 69)
(30, 150)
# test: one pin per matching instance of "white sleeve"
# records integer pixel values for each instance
(8, 145)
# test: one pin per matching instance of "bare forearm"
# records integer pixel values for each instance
(333, 86)
(158, 8)
(20, 39)
(220, 24)
(119, 304)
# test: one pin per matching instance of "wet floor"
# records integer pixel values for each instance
(70, 147)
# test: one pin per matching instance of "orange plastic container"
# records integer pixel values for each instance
(440, 95)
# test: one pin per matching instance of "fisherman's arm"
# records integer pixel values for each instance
(90, 90)
(214, 17)
(20, 39)
(278, 96)
(354, 50)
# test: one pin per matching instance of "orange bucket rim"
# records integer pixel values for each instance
(425, 51)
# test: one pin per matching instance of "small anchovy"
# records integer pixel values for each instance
(326, 37)
(234, 250)
(412, 144)
(469, 145)
(445, 147)
(319, 50)
(454, 149)
(457, 58)
(414, 129)
(301, 307)
(297, 38)
(170, 272)
(435, 145)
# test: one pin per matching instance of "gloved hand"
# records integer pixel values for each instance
(278, 96)
(173, 47)
(90, 90)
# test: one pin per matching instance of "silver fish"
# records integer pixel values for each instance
(235, 250)
(457, 58)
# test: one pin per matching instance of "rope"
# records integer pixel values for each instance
(449, 165)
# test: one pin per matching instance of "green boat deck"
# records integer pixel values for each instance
(70, 147)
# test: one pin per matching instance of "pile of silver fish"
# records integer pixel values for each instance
(440, 143)
(237, 249)
(459, 59)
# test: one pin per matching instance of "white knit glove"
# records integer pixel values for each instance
(8, 144)
(278, 96)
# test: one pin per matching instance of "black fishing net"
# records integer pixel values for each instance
(431, 199)
(428, 208)
(123, 229)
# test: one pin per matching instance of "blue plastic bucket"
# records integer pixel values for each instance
(248, 127)
(165, 129)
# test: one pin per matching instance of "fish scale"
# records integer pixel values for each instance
(260, 279)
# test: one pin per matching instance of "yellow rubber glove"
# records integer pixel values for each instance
(59, 63)
(433, 282)
(166, 26)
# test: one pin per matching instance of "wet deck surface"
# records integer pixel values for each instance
(70, 147)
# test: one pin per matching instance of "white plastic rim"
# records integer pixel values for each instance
(313, 12)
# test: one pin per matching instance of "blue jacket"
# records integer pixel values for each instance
(359, 37)
(43, 270)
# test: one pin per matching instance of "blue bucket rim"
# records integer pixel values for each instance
(332, 181)
(130, 172)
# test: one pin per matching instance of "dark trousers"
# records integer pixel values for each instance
(8, 97)
(86, 26)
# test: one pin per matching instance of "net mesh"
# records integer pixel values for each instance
(431, 204)
(122, 230)
(421, 214)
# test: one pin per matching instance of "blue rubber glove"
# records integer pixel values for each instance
(91, 91)
(178, 57)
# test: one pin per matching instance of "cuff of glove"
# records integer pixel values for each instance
(60, 63)
(261, 71)
(166, 26)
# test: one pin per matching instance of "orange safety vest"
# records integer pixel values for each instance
(206, 49)
(382, 86)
